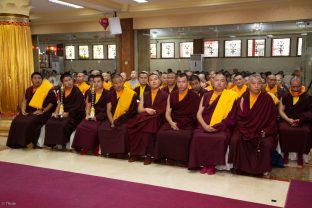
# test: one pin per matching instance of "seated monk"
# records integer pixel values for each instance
(81, 84)
(295, 109)
(142, 86)
(171, 83)
(216, 117)
(255, 136)
(121, 106)
(240, 86)
(143, 127)
(68, 114)
(107, 84)
(86, 137)
(174, 137)
(38, 104)
(272, 86)
(163, 80)
(196, 85)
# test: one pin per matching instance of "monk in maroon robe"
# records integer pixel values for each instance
(143, 85)
(121, 106)
(26, 126)
(143, 127)
(171, 83)
(196, 86)
(295, 110)
(62, 124)
(255, 136)
(86, 137)
(216, 118)
(174, 137)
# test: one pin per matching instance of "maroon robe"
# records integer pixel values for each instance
(143, 127)
(296, 139)
(26, 129)
(209, 148)
(115, 140)
(138, 89)
(172, 144)
(250, 152)
(58, 130)
(166, 89)
(201, 92)
(87, 131)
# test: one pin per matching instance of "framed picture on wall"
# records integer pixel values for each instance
(256, 48)
(98, 51)
(281, 47)
(232, 48)
(186, 49)
(111, 51)
(211, 48)
(299, 46)
(83, 52)
(69, 52)
(153, 50)
(167, 50)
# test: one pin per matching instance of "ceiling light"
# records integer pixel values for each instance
(301, 24)
(257, 27)
(154, 35)
(141, 1)
(304, 34)
(66, 4)
(269, 36)
(232, 36)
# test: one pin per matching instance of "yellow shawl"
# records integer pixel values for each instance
(224, 106)
(40, 94)
(107, 85)
(241, 91)
(296, 95)
(123, 102)
(83, 87)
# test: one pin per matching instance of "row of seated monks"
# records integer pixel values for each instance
(180, 122)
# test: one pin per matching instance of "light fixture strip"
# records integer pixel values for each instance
(141, 1)
(66, 4)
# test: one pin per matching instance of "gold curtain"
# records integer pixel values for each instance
(16, 62)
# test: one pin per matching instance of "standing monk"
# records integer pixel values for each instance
(121, 106)
(38, 104)
(295, 109)
(174, 137)
(216, 117)
(68, 114)
(86, 137)
(142, 129)
(255, 136)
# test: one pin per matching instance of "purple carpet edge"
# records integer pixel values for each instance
(233, 202)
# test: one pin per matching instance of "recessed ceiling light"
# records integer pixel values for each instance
(66, 4)
(232, 36)
(141, 1)
(304, 34)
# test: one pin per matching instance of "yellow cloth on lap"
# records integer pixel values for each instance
(124, 102)
(224, 106)
(40, 94)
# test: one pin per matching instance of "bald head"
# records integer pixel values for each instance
(271, 80)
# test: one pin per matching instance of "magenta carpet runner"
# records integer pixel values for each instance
(27, 186)
(299, 195)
